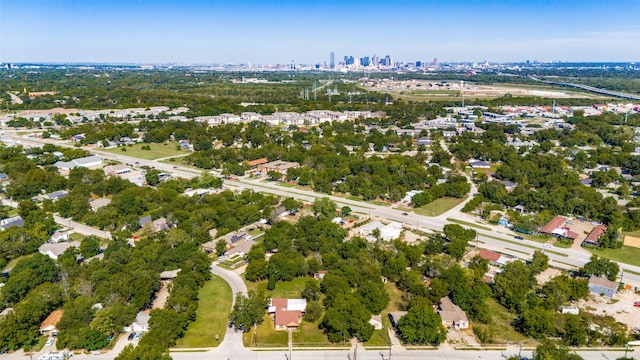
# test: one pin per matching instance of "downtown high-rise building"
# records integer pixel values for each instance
(332, 60)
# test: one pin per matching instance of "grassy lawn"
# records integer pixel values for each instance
(438, 206)
(561, 243)
(469, 224)
(266, 335)
(212, 316)
(500, 330)
(309, 334)
(626, 254)
(13, 262)
(538, 238)
(379, 338)
(157, 151)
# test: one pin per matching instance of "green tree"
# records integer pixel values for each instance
(90, 246)
(601, 267)
(512, 285)
(248, 310)
(345, 211)
(550, 350)
(221, 247)
(539, 262)
(421, 325)
(324, 208)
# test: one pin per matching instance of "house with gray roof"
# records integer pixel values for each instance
(89, 161)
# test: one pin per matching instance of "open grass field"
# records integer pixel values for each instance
(438, 206)
(212, 316)
(290, 289)
(500, 330)
(157, 151)
(309, 335)
(265, 335)
(626, 254)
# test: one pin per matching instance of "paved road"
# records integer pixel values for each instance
(498, 238)
(231, 345)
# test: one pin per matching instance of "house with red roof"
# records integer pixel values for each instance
(594, 235)
(287, 313)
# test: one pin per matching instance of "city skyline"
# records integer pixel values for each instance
(306, 32)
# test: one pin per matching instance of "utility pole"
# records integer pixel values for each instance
(355, 352)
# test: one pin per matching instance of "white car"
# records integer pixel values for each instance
(50, 341)
(546, 246)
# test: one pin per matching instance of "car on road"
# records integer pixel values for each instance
(405, 214)
(518, 237)
(637, 303)
(131, 336)
(50, 341)
(546, 246)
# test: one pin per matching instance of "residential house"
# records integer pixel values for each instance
(278, 166)
(99, 203)
(602, 286)
(376, 322)
(319, 275)
(59, 236)
(141, 323)
(409, 196)
(118, 169)
(254, 163)
(154, 225)
(479, 164)
(287, 313)
(423, 141)
(49, 325)
(4, 177)
(56, 195)
(387, 232)
(55, 250)
(594, 235)
(452, 315)
(11, 222)
(494, 258)
(89, 161)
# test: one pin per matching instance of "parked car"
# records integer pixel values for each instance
(518, 237)
(636, 304)
(50, 341)
(131, 336)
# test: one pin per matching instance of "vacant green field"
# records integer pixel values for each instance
(212, 317)
(626, 254)
(309, 335)
(438, 206)
(500, 330)
(265, 335)
(157, 151)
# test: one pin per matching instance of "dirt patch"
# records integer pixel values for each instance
(633, 241)
(161, 295)
(410, 237)
(462, 337)
(621, 308)
(547, 275)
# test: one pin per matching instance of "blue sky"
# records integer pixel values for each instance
(279, 31)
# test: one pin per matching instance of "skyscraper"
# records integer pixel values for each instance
(332, 60)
